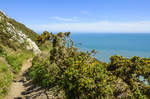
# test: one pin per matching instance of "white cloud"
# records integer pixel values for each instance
(84, 12)
(99, 27)
(73, 19)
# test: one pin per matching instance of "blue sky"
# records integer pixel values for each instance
(127, 16)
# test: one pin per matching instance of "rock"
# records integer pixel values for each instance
(4, 13)
(17, 32)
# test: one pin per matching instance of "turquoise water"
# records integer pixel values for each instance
(106, 45)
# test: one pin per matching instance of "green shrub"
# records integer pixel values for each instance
(81, 76)
(39, 72)
(85, 80)
(77, 73)
(129, 70)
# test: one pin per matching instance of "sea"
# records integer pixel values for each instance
(109, 44)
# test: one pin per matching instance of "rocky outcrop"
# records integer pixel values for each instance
(3, 13)
(17, 32)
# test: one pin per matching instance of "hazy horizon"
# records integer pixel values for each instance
(92, 16)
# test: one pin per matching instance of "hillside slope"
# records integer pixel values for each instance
(17, 45)
(15, 35)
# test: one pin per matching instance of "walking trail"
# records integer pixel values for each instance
(17, 87)
(22, 87)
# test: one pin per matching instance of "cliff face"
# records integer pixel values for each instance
(16, 36)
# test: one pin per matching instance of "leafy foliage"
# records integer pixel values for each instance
(80, 75)
(129, 70)
(45, 36)
(12, 52)
(75, 72)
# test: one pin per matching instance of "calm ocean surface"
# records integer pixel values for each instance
(126, 45)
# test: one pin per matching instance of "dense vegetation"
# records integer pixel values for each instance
(12, 53)
(6, 75)
(10, 64)
(129, 70)
(79, 75)
(5, 78)
(62, 67)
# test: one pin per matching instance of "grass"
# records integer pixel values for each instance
(12, 51)
(17, 59)
(5, 78)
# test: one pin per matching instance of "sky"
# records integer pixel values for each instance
(81, 16)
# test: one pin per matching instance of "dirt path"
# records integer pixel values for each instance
(17, 87)
(22, 87)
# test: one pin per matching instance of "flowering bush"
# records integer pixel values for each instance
(81, 76)
(130, 70)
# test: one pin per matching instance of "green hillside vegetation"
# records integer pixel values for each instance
(6, 37)
(61, 67)
(16, 59)
(12, 53)
(30, 33)
(80, 76)
(10, 65)
(19, 26)
(6, 77)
